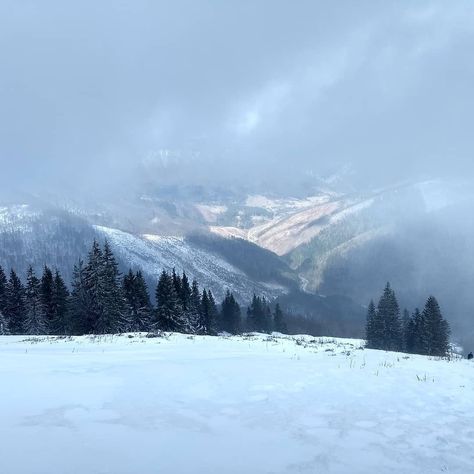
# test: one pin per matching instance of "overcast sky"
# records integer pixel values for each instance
(285, 88)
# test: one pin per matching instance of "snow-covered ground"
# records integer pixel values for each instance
(135, 405)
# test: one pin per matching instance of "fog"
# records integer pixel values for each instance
(247, 91)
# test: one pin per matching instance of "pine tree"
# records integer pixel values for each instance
(406, 320)
(4, 329)
(230, 315)
(3, 290)
(259, 315)
(389, 311)
(193, 314)
(15, 304)
(169, 314)
(137, 301)
(372, 336)
(279, 324)
(420, 333)
(34, 323)
(410, 335)
(111, 301)
(46, 295)
(60, 323)
(437, 329)
(80, 320)
(208, 313)
(92, 279)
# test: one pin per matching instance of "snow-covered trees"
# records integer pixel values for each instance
(15, 310)
(35, 322)
(230, 318)
(424, 332)
(259, 315)
(103, 301)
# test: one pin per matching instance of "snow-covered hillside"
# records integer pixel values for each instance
(58, 238)
(153, 253)
(129, 404)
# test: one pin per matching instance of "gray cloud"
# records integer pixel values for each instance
(90, 89)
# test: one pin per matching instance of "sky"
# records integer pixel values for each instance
(195, 90)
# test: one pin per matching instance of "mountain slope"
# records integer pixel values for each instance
(289, 404)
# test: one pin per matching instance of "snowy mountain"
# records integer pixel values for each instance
(343, 246)
(34, 236)
(123, 404)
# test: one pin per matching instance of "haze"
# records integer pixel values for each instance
(209, 90)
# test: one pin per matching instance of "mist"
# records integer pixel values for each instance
(197, 92)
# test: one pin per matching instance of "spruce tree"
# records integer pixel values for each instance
(169, 314)
(279, 324)
(112, 318)
(34, 323)
(137, 302)
(410, 335)
(420, 333)
(193, 316)
(46, 295)
(371, 335)
(4, 330)
(389, 311)
(230, 315)
(92, 279)
(208, 313)
(3, 290)
(259, 315)
(437, 329)
(80, 320)
(406, 320)
(60, 323)
(15, 304)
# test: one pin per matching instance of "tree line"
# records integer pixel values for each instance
(101, 300)
(423, 332)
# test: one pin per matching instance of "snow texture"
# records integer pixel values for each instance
(129, 404)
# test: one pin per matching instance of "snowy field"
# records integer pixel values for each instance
(132, 405)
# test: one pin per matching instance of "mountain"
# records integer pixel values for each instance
(323, 255)
(34, 236)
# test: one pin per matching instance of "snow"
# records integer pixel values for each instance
(153, 253)
(129, 404)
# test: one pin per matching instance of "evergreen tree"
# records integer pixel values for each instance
(410, 335)
(60, 323)
(15, 304)
(437, 329)
(185, 293)
(420, 333)
(208, 313)
(389, 311)
(4, 330)
(111, 302)
(46, 296)
(406, 321)
(34, 323)
(137, 301)
(194, 312)
(3, 290)
(259, 315)
(169, 314)
(372, 334)
(92, 279)
(176, 282)
(279, 324)
(230, 315)
(80, 320)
